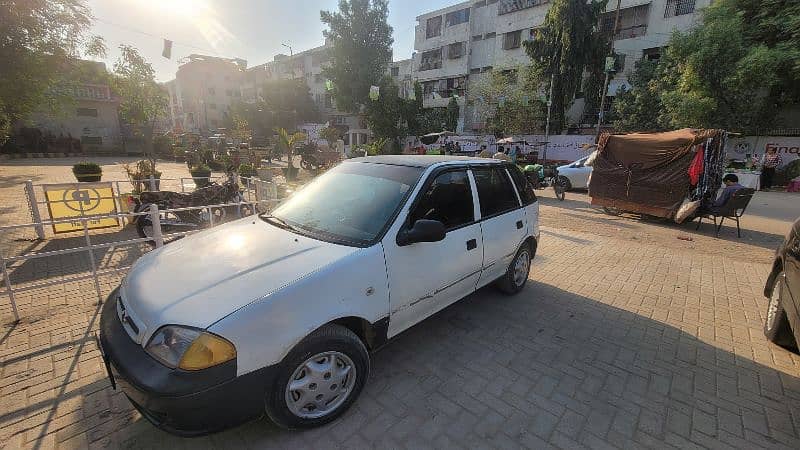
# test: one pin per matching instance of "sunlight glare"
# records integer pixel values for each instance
(198, 13)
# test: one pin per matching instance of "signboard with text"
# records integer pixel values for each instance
(788, 147)
(76, 200)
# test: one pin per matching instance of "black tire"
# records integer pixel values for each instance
(142, 223)
(330, 338)
(565, 182)
(776, 325)
(508, 283)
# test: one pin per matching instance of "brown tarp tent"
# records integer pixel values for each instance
(645, 172)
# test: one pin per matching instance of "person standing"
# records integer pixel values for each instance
(770, 161)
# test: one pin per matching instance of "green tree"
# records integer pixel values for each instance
(361, 38)
(511, 102)
(384, 115)
(287, 142)
(39, 38)
(721, 75)
(330, 134)
(638, 109)
(281, 104)
(142, 100)
(452, 114)
(563, 46)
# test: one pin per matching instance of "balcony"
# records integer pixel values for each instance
(632, 23)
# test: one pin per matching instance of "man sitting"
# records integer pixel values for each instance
(732, 185)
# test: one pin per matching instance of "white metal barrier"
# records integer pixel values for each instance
(157, 238)
(254, 190)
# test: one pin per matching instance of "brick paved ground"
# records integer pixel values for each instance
(614, 343)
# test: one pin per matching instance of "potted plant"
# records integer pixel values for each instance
(139, 175)
(201, 175)
(87, 171)
(247, 170)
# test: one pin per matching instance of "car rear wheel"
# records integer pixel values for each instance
(319, 379)
(776, 325)
(517, 273)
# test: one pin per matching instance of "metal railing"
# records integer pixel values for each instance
(258, 195)
(253, 188)
(158, 238)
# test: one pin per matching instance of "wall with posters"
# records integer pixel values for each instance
(786, 146)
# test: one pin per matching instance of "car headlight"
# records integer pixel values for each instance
(189, 348)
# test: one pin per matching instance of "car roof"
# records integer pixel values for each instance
(424, 161)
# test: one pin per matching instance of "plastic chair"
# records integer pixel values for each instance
(733, 209)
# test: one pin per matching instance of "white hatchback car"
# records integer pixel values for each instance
(576, 173)
(277, 314)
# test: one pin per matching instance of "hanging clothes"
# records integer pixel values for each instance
(696, 167)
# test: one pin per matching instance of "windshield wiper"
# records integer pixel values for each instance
(278, 222)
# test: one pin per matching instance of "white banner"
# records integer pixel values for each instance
(788, 147)
(560, 147)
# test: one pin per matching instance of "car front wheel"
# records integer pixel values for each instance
(319, 379)
(776, 325)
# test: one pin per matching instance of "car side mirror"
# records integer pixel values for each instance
(422, 231)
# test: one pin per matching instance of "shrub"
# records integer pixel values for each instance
(161, 146)
(201, 174)
(792, 170)
(216, 165)
(247, 170)
(139, 172)
(87, 171)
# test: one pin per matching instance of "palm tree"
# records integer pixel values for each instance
(287, 141)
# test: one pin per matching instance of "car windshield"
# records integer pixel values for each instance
(350, 204)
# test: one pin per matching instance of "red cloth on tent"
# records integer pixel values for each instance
(696, 167)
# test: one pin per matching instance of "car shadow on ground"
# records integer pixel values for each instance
(546, 365)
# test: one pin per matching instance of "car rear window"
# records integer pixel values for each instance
(524, 187)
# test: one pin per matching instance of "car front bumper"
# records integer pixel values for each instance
(186, 403)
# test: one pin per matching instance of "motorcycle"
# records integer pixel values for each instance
(541, 178)
(191, 219)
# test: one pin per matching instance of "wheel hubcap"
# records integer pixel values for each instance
(320, 385)
(521, 267)
(774, 300)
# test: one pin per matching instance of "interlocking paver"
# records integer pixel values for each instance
(614, 343)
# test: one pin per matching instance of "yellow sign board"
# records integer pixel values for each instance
(65, 201)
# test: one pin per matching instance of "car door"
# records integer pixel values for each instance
(503, 221)
(427, 276)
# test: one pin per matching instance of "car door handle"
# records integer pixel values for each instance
(472, 244)
(519, 224)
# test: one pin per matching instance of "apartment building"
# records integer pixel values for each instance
(307, 65)
(459, 44)
(203, 91)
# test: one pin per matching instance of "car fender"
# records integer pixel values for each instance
(777, 266)
(264, 331)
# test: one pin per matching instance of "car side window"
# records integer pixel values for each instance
(448, 199)
(523, 186)
(495, 191)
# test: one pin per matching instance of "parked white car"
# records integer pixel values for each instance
(277, 314)
(576, 173)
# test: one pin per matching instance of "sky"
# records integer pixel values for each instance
(253, 30)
